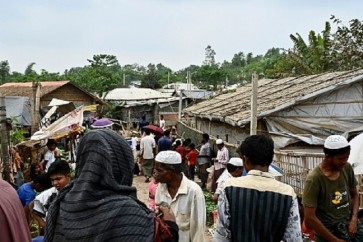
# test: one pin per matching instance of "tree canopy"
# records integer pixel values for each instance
(319, 52)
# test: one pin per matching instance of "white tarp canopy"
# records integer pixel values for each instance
(356, 154)
(57, 105)
(72, 121)
(18, 108)
(338, 112)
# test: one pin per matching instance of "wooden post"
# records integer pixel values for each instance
(4, 140)
(253, 127)
(35, 110)
(180, 104)
(129, 117)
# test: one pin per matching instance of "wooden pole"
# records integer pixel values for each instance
(180, 104)
(4, 140)
(129, 117)
(36, 104)
(253, 127)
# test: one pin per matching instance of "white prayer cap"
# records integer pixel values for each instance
(335, 142)
(219, 141)
(168, 157)
(235, 161)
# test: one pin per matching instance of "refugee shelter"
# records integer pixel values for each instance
(297, 112)
(133, 103)
(64, 90)
(292, 110)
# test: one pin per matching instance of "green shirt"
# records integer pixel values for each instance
(331, 198)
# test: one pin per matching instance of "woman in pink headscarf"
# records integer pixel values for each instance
(13, 224)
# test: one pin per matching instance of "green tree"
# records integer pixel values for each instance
(151, 78)
(48, 76)
(238, 60)
(4, 71)
(29, 73)
(347, 45)
(209, 56)
(210, 75)
(104, 73)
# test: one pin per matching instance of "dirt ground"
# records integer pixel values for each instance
(143, 194)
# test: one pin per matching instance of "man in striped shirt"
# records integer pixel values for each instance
(256, 207)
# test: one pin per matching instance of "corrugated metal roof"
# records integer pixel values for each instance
(127, 94)
(197, 94)
(181, 86)
(273, 95)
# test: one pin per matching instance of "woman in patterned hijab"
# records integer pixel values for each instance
(100, 204)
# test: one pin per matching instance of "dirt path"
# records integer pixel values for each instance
(143, 195)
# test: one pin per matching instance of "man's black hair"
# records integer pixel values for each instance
(147, 132)
(59, 167)
(177, 168)
(340, 151)
(192, 146)
(51, 142)
(259, 149)
(167, 132)
(360, 213)
(43, 180)
(187, 141)
(205, 136)
(177, 142)
(232, 168)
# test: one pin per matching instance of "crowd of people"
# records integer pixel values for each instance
(99, 203)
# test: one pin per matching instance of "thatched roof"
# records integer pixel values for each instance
(273, 95)
(24, 89)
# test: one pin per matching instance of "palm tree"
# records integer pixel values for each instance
(314, 57)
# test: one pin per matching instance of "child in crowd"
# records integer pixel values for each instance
(139, 159)
(153, 185)
(27, 191)
(60, 175)
(35, 170)
(192, 161)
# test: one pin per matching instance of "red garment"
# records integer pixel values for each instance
(192, 158)
(307, 231)
(180, 149)
(152, 190)
(187, 149)
(13, 224)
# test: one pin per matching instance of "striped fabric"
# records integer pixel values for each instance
(100, 204)
(257, 215)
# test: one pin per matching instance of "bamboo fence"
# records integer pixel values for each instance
(296, 166)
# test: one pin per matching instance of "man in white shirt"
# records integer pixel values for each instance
(162, 122)
(147, 152)
(234, 169)
(49, 156)
(184, 196)
(219, 162)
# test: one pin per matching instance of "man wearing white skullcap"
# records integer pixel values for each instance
(184, 196)
(330, 195)
(234, 169)
(219, 163)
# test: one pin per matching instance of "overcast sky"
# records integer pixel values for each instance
(61, 34)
